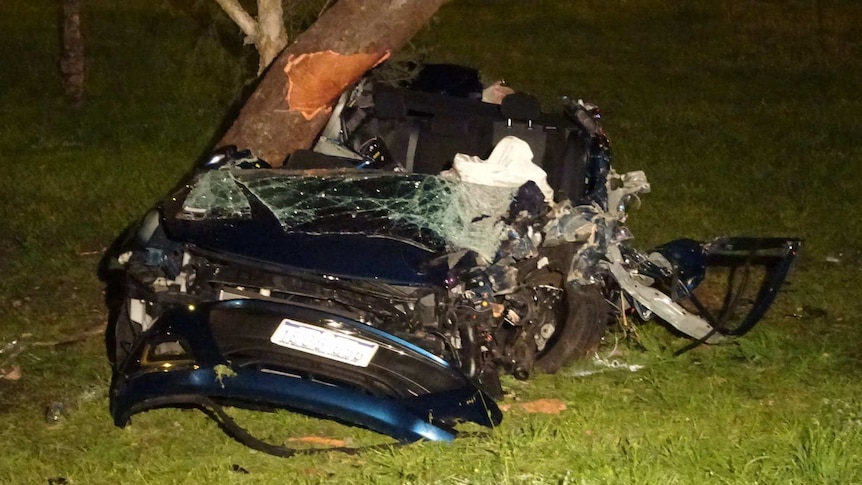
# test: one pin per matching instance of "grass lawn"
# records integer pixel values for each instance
(745, 115)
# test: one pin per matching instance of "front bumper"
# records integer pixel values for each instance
(707, 291)
(223, 351)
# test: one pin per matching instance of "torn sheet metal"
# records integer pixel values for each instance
(624, 189)
(659, 303)
(595, 228)
(572, 224)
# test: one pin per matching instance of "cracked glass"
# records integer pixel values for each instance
(428, 210)
(216, 195)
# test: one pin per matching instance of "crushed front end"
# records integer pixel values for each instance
(214, 328)
(389, 278)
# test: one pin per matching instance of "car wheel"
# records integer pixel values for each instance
(582, 329)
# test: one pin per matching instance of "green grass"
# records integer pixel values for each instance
(745, 116)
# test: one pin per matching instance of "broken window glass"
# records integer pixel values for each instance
(216, 195)
(428, 210)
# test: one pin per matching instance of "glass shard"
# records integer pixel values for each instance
(216, 195)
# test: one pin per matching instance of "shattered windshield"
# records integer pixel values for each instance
(425, 209)
(216, 195)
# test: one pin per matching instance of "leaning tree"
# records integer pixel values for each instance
(295, 94)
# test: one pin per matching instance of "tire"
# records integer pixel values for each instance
(584, 326)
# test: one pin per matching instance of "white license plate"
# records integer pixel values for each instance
(323, 343)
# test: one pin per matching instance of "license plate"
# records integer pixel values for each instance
(323, 343)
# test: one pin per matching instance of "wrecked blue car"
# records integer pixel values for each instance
(428, 244)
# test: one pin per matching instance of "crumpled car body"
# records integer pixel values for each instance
(374, 281)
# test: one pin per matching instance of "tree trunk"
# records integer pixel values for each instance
(293, 99)
(72, 56)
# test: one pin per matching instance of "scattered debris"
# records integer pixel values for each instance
(602, 365)
(319, 440)
(808, 313)
(13, 374)
(222, 371)
(97, 329)
(539, 406)
(91, 393)
(315, 472)
(13, 349)
(96, 252)
(55, 412)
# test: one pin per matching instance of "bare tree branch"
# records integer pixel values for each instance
(245, 21)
